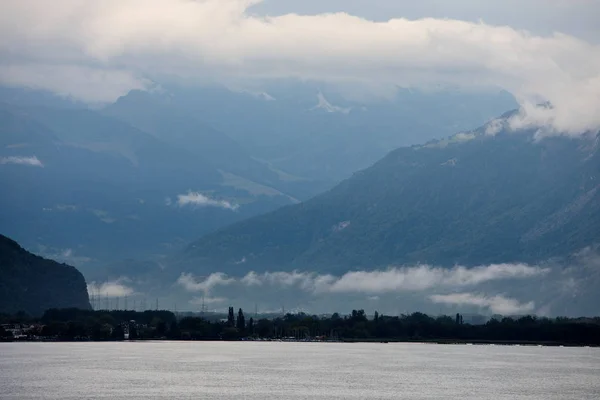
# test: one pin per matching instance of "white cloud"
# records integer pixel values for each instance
(252, 279)
(192, 284)
(307, 281)
(425, 277)
(419, 278)
(18, 160)
(464, 137)
(207, 300)
(495, 126)
(114, 45)
(496, 304)
(117, 288)
(93, 84)
(196, 199)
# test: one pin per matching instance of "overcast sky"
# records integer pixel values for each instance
(575, 17)
(98, 50)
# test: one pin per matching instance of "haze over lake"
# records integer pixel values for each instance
(236, 370)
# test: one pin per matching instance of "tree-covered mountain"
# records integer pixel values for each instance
(34, 284)
(473, 198)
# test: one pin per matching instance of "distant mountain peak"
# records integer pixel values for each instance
(324, 104)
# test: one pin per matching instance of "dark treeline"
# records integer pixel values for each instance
(74, 324)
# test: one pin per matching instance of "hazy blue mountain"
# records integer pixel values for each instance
(179, 125)
(26, 97)
(312, 131)
(470, 199)
(100, 189)
(33, 284)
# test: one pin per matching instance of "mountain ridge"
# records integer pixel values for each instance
(470, 201)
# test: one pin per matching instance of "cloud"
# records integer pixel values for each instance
(196, 199)
(117, 288)
(307, 281)
(92, 84)
(207, 300)
(97, 50)
(496, 304)
(191, 283)
(425, 277)
(19, 160)
(419, 278)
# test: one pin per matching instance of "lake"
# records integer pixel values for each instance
(275, 370)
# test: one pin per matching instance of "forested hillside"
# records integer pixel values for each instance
(470, 199)
(33, 284)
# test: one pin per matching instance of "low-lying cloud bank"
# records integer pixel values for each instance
(208, 301)
(192, 284)
(419, 278)
(421, 286)
(32, 161)
(111, 289)
(98, 50)
(496, 304)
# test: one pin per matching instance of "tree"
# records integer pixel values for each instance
(358, 315)
(161, 329)
(251, 326)
(264, 328)
(4, 334)
(376, 316)
(231, 318)
(118, 332)
(241, 322)
(174, 332)
(133, 331)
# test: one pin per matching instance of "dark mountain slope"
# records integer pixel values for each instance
(33, 284)
(470, 199)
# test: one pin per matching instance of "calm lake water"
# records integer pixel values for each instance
(245, 370)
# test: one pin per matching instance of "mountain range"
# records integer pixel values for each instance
(149, 197)
(308, 129)
(144, 176)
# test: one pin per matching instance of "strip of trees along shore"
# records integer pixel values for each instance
(75, 324)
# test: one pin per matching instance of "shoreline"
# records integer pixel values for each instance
(513, 343)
